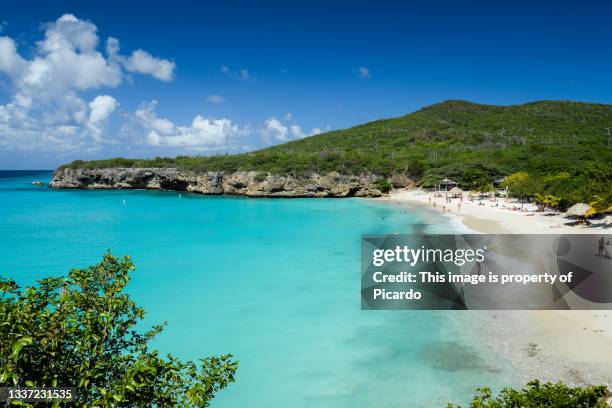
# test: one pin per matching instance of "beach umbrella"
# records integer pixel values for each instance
(578, 210)
(448, 181)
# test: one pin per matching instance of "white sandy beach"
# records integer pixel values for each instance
(573, 346)
(496, 217)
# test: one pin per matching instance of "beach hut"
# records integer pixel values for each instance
(579, 210)
(456, 192)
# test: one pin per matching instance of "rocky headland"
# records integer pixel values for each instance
(248, 183)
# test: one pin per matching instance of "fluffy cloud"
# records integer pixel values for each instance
(46, 111)
(101, 108)
(59, 101)
(141, 62)
(297, 132)
(203, 133)
(276, 131)
(144, 63)
(11, 62)
(67, 59)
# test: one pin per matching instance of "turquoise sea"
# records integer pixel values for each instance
(276, 282)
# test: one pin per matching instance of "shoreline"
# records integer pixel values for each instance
(552, 345)
(490, 219)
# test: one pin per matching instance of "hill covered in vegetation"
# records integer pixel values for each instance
(565, 147)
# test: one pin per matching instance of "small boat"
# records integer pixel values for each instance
(38, 183)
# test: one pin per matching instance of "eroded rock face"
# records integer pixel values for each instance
(238, 183)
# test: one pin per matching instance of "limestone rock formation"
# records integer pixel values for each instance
(248, 183)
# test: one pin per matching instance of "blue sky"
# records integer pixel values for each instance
(232, 76)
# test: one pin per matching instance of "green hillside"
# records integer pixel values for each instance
(469, 142)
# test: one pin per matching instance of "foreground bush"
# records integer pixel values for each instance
(538, 395)
(80, 331)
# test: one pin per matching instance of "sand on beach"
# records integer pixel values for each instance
(574, 346)
(495, 217)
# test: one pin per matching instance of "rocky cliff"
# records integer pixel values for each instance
(252, 184)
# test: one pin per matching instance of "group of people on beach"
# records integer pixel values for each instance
(448, 200)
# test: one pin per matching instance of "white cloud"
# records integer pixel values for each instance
(144, 63)
(50, 106)
(46, 111)
(67, 59)
(215, 99)
(11, 62)
(242, 74)
(297, 132)
(141, 62)
(275, 130)
(101, 108)
(364, 73)
(203, 133)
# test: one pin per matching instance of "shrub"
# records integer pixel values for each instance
(79, 331)
(383, 185)
(538, 395)
(260, 176)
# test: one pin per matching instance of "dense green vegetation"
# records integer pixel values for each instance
(470, 143)
(592, 184)
(80, 331)
(538, 395)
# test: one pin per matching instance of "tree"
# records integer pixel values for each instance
(474, 178)
(538, 395)
(546, 200)
(602, 203)
(560, 185)
(486, 188)
(80, 331)
(518, 184)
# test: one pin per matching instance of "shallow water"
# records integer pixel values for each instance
(273, 281)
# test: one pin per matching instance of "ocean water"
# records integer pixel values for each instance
(276, 282)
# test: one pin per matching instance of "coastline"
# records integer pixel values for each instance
(491, 219)
(551, 345)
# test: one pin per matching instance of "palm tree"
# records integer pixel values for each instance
(546, 200)
(601, 204)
